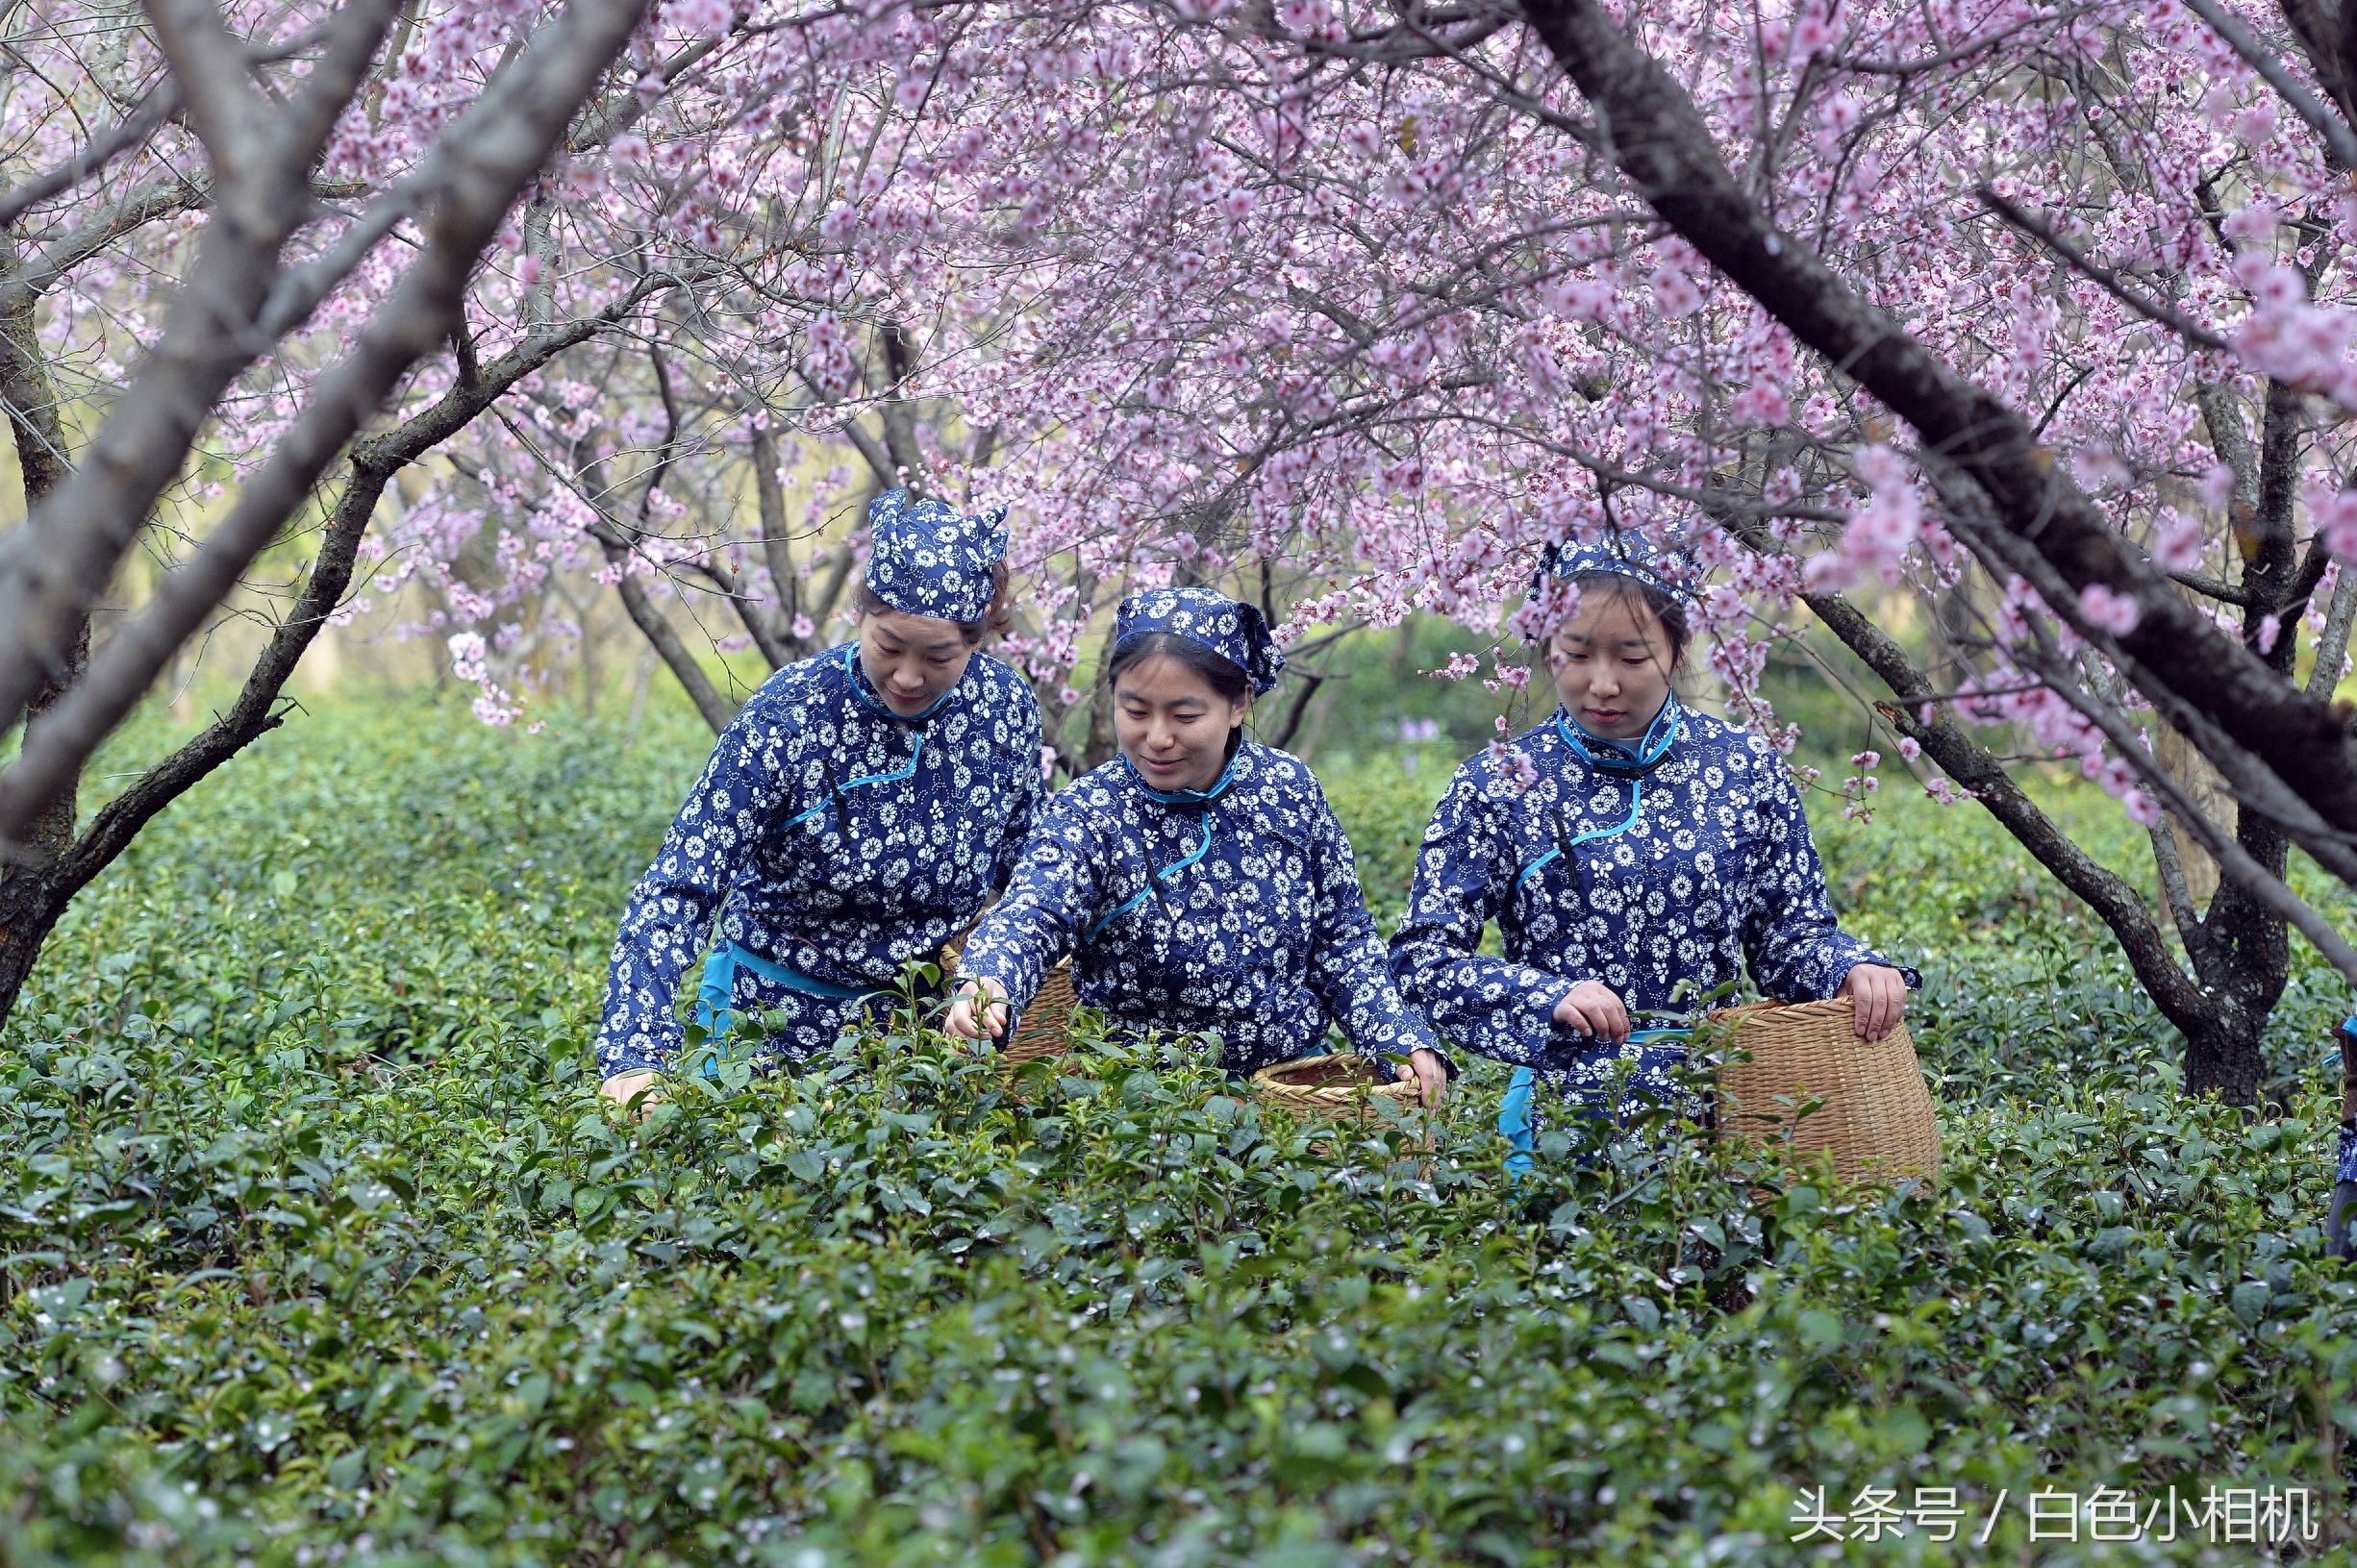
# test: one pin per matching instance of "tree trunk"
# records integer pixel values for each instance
(1097, 748)
(31, 895)
(2223, 1056)
(29, 900)
(35, 891)
(2184, 762)
(29, 910)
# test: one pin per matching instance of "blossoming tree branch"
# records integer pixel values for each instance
(2004, 340)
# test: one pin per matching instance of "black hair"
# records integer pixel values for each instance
(1667, 610)
(997, 618)
(1219, 672)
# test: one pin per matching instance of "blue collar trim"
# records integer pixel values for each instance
(1618, 757)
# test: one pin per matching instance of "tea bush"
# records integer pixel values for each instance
(315, 1245)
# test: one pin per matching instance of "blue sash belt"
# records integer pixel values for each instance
(715, 997)
(1514, 1111)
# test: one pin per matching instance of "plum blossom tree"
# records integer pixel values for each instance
(2035, 329)
(2020, 323)
(279, 240)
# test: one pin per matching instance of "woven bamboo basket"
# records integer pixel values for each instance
(1335, 1087)
(1877, 1121)
(1043, 1029)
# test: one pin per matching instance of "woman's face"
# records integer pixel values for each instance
(912, 660)
(1171, 725)
(1612, 662)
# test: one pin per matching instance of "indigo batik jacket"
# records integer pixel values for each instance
(831, 842)
(1664, 881)
(1234, 911)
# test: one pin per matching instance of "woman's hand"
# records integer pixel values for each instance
(622, 1087)
(1879, 993)
(979, 1010)
(1595, 1008)
(1431, 1078)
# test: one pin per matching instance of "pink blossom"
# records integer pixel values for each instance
(2177, 543)
(2114, 612)
(1810, 37)
(2217, 486)
(1303, 17)
(467, 652)
(701, 18)
(1763, 403)
(1675, 293)
(2336, 523)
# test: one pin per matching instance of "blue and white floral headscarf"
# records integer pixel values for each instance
(1619, 555)
(928, 559)
(1236, 631)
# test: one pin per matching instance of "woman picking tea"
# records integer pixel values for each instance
(1635, 855)
(1199, 879)
(855, 815)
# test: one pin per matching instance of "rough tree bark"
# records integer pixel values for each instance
(29, 394)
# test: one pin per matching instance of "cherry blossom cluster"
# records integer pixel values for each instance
(1274, 300)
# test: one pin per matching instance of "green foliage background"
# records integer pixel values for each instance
(317, 1247)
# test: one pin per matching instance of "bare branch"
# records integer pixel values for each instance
(648, 617)
(157, 109)
(776, 545)
(155, 199)
(1296, 711)
(2332, 648)
(229, 117)
(2210, 588)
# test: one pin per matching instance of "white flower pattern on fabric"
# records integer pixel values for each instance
(1718, 872)
(878, 875)
(1262, 935)
(929, 560)
(1235, 631)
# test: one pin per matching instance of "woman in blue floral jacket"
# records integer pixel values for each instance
(1635, 855)
(857, 814)
(1199, 879)
(2343, 1208)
